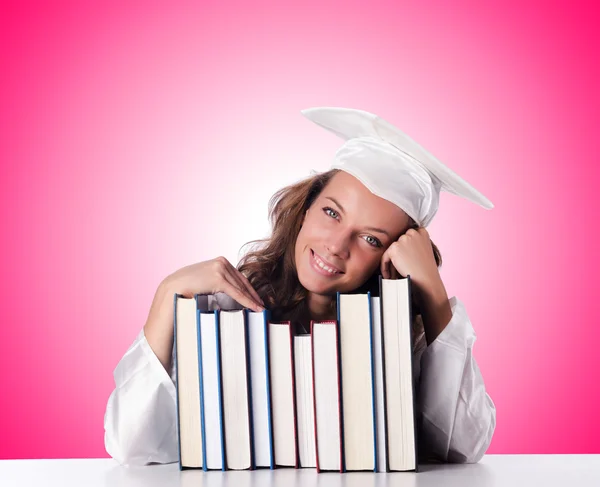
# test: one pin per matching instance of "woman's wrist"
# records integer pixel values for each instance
(435, 309)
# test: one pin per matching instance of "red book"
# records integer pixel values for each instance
(283, 397)
(305, 404)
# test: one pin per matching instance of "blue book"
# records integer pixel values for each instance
(260, 387)
(213, 438)
(359, 427)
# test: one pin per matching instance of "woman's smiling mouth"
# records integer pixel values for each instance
(321, 266)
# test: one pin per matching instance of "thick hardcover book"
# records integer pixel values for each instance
(213, 439)
(260, 385)
(382, 462)
(283, 397)
(400, 393)
(329, 442)
(189, 415)
(304, 400)
(237, 399)
(358, 382)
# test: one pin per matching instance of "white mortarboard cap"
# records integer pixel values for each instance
(390, 164)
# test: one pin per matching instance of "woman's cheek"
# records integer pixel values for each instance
(369, 264)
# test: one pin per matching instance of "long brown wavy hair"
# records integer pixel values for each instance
(270, 264)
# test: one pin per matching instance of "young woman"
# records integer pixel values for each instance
(333, 232)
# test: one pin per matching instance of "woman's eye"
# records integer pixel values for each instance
(372, 241)
(331, 213)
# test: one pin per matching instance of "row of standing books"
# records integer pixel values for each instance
(251, 395)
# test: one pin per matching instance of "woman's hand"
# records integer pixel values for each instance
(214, 276)
(209, 277)
(411, 254)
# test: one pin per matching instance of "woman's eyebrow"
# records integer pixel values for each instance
(336, 202)
(380, 230)
(371, 229)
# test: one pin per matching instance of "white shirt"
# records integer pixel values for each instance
(458, 416)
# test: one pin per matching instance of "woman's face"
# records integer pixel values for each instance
(344, 235)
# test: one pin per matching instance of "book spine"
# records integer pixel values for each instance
(295, 407)
(201, 381)
(177, 377)
(412, 366)
(340, 389)
(382, 334)
(372, 383)
(249, 389)
(312, 347)
(266, 318)
(220, 390)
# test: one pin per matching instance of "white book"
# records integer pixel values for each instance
(188, 383)
(282, 394)
(379, 384)
(327, 398)
(260, 387)
(358, 391)
(399, 401)
(211, 391)
(305, 401)
(236, 400)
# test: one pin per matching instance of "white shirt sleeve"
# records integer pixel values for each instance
(457, 415)
(140, 422)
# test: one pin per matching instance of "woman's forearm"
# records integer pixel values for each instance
(159, 325)
(435, 310)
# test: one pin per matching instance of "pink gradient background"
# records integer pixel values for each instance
(138, 139)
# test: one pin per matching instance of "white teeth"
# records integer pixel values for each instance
(323, 266)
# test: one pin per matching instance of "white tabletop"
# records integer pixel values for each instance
(493, 470)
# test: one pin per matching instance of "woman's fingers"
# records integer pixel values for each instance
(232, 285)
(246, 283)
(232, 288)
(385, 266)
(388, 271)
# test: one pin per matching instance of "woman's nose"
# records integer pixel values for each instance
(338, 244)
